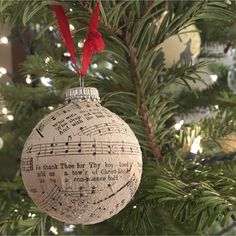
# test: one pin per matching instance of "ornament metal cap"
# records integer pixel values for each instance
(82, 94)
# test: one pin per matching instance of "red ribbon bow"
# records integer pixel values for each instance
(93, 43)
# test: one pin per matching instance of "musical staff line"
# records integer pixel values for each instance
(83, 148)
(51, 200)
(82, 192)
(114, 193)
(103, 129)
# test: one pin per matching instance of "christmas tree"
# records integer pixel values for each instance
(188, 181)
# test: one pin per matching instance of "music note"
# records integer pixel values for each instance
(122, 202)
(122, 147)
(94, 149)
(38, 153)
(54, 208)
(53, 117)
(42, 149)
(89, 147)
(131, 149)
(79, 146)
(109, 149)
(93, 189)
(67, 144)
(29, 149)
(52, 145)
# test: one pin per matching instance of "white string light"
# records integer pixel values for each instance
(134, 207)
(3, 71)
(95, 65)
(31, 215)
(72, 27)
(51, 108)
(179, 124)
(4, 40)
(69, 228)
(80, 44)
(4, 110)
(66, 54)
(108, 65)
(53, 229)
(28, 79)
(50, 28)
(10, 117)
(116, 61)
(37, 27)
(58, 45)
(214, 78)
(196, 146)
(71, 9)
(47, 59)
(46, 81)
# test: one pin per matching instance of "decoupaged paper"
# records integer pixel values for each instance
(81, 164)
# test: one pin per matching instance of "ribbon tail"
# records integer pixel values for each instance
(98, 43)
(93, 25)
(65, 31)
(87, 53)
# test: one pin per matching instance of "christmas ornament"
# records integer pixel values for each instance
(228, 143)
(231, 79)
(178, 48)
(82, 163)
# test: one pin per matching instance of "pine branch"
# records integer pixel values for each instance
(107, 27)
(148, 8)
(143, 111)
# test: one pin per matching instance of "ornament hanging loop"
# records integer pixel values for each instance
(81, 81)
(93, 42)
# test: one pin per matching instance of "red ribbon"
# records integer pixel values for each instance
(93, 43)
(66, 35)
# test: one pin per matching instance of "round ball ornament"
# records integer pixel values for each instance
(81, 164)
(184, 46)
(228, 143)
